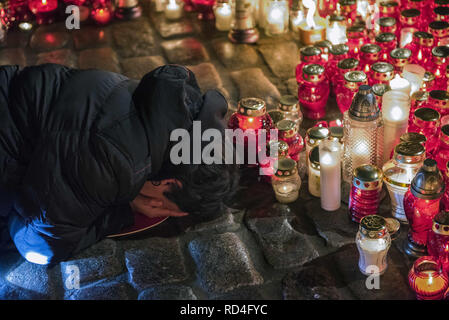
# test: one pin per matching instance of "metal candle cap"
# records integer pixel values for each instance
(339, 49)
(288, 103)
(313, 73)
(286, 167)
(310, 51)
(441, 223)
(379, 89)
(276, 115)
(364, 105)
(439, 28)
(252, 107)
(400, 56)
(428, 183)
(373, 226)
(282, 147)
(409, 152)
(387, 22)
(287, 128)
(348, 63)
(413, 137)
(385, 37)
(317, 133)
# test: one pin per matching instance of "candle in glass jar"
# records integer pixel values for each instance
(330, 174)
(277, 18)
(223, 16)
(427, 279)
(101, 15)
(44, 10)
(314, 172)
(400, 84)
(172, 10)
(286, 181)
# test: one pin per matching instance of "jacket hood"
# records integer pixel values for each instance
(169, 98)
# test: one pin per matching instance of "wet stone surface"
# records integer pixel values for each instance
(258, 249)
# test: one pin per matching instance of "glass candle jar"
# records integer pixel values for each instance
(243, 26)
(441, 13)
(313, 92)
(325, 47)
(438, 100)
(389, 9)
(427, 122)
(363, 133)
(343, 66)
(441, 153)
(345, 94)
(330, 173)
(314, 137)
(410, 23)
(417, 99)
(399, 172)
(336, 32)
(399, 57)
(438, 240)
(369, 54)
(204, 8)
(276, 18)
(381, 72)
(440, 31)
(421, 47)
(379, 89)
(338, 53)
(427, 279)
(224, 14)
(308, 55)
(173, 9)
(288, 133)
(348, 10)
(440, 60)
(373, 242)
(365, 192)
(421, 204)
(130, 9)
(276, 149)
(428, 81)
(387, 42)
(395, 113)
(289, 107)
(44, 10)
(357, 37)
(314, 172)
(388, 25)
(286, 182)
(102, 11)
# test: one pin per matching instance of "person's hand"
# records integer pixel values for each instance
(153, 207)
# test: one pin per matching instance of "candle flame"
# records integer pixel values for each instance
(447, 248)
(311, 5)
(44, 2)
(430, 281)
(419, 55)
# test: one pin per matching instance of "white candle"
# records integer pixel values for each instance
(276, 20)
(223, 17)
(173, 10)
(395, 113)
(400, 84)
(406, 36)
(336, 33)
(330, 175)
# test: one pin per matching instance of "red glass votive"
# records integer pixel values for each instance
(308, 55)
(388, 25)
(381, 72)
(338, 53)
(102, 12)
(438, 100)
(389, 9)
(426, 121)
(441, 153)
(417, 100)
(440, 31)
(438, 65)
(369, 54)
(288, 133)
(399, 57)
(188, 6)
(345, 94)
(365, 192)
(19, 11)
(348, 10)
(438, 241)
(204, 9)
(357, 37)
(421, 47)
(313, 92)
(44, 10)
(427, 279)
(343, 66)
(387, 42)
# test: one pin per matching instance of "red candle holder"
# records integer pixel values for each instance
(267, 166)
(19, 11)
(387, 42)
(325, 47)
(44, 10)
(381, 72)
(438, 65)
(438, 100)
(345, 94)
(308, 55)
(326, 7)
(438, 241)
(389, 9)
(441, 153)
(426, 121)
(388, 25)
(417, 100)
(399, 57)
(421, 47)
(345, 65)
(204, 9)
(102, 11)
(421, 204)
(188, 6)
(357, 37)
(427, 279)
(288, 133)
(440, 30)
(428, 82)
(369, 54)
(338, 53)
(410, 18)
(365, 192)
(313, 92)
(348, 10)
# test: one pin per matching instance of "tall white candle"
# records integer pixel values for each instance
(276, 20)
(330, 174)
(400, 84)
(395, 113)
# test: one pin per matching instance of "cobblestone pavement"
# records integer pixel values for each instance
(260, 249)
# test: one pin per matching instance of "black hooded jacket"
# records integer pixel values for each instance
(76, 146)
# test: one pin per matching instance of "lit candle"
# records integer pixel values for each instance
(313, 29)
(172, 10)
(330, 174)
(414, 74)
(427, 279)
(101, 15)
(277, 18)
(336, 33)
(286, 181)
(400, 84)
(223, 16)
(395, 113)
(44, 10)
(159, 5)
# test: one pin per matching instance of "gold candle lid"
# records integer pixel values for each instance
(309, 51)
(441, 223)
(313, 73)
(439, 29)
(287, 128)
(282, 148)
(393, 227)
(353, 79)
(382, 71)
(424, 39)
(440, 98)
(339, 49)
(276, 115)
(400, 56)
(288, 103)
(409, 16)
(419, 96)
(355, 31)
(409, 152)
(373, 226)
(385, 37)
(367, 173)
(286, 167)
(336, 133)
(387, 22)
(444, 134)
(317, 133)
(428, 80)
(348, 63)
(413, 137)
(442, 13)
(388, 7)
(379, 89)
(252, 107)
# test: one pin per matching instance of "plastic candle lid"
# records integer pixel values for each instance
(428, 183)
(286, 167)
(401, 53)
(373, 226)
(387, 22)
(370, 48)
(385, 37)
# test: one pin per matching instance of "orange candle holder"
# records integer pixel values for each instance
(309, 35)
(427, 279)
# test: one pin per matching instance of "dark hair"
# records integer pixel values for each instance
(206, 189)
